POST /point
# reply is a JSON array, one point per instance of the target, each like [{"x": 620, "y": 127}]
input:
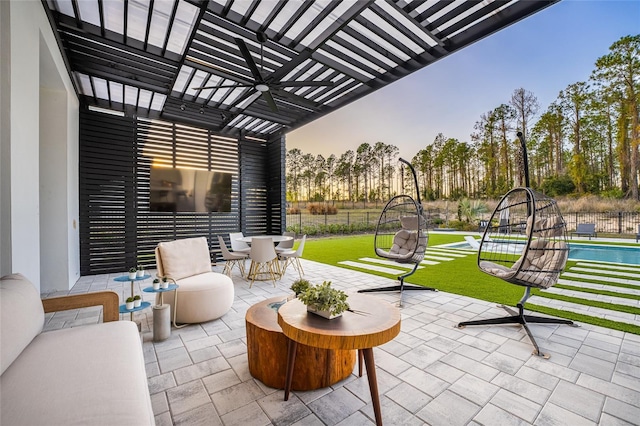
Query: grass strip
[
  {"x": 461, "y": 276},
  {"x": 599, "y": 292},
  {"x": 594, "y": 303},
  {"x": 573, "y": 316}
]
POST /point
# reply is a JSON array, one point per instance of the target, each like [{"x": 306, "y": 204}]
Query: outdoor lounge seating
[
  {"x": 236, "y": 245},
  {"x": 264, "y": 260},
  {"x": 402, "y": 236},
  {"x": 203, "y": 295},
  {"x": 292, "y": 257},
  {"x": 232, "y": 259},
  {"x": 86, "y": 375},
  {"x": 534, "y": 262},
  {"x": 588, "y": 229},
  {"x": 286, "y": 245}
]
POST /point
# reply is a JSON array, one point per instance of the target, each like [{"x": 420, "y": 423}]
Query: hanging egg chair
[
  {"x": 401, "y": 236},
  {"x": 524, "y": 243}
]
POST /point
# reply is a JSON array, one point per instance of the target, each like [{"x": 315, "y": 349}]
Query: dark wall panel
[
  {"x": 117, "y": 228},
  {"x": 107, "y": 193}
]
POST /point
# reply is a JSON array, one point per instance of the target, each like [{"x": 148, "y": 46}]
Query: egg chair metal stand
[
  {"x": 524, "y": 243},
  {"x": 402, "y": 236}
]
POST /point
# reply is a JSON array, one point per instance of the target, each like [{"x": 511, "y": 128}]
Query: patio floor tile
[
  {"x": 449, "y": 409},
  {"x": 432, "y": 372},
  {"x": 492, "y": 415},
  {"x": 474, "y": 389},
  {"x": 552, "y": 415},
  {"x": 186, "y": 397},
  {"x": 516, "y": 405},
  {"x": 336, "y": 406},
  {"x": 578, "y": 399},
  {"x": 250, "y": 414}
]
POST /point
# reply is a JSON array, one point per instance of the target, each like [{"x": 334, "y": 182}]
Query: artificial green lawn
[{"x": 460, "y": 276}]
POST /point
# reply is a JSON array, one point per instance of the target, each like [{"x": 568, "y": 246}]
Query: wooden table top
[
  {"x": 264, "y": 315},
  {"x": 378, "y": 324}
]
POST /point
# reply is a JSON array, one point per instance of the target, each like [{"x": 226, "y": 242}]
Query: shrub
[
  {"x": 321, "y": 208},
  {"x": 293, "y": 210},
  {"x": 560, "y": 185},
  {"x": 460, "y": 225}
]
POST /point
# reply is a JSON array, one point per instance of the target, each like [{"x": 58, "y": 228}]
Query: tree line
[{"x": 586, "y": 141}]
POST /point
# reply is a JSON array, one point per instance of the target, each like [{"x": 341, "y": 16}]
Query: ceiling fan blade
[
  {"x": 269, "y": 98},
  {"x": 310, "y": 83},
  {"x": 246, "y": 54},
  {"x": 295, "y": 98},
  {"x": 224, "y": 86}
]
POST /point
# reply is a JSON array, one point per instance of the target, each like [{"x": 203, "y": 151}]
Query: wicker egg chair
[
  {"x": 524, "y": 243},
  {"x": 402, "y": 236}
]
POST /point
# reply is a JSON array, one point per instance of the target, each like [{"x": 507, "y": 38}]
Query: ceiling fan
[{"x": 264, "y": 85}]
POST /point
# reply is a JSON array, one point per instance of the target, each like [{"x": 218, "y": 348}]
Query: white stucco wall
[
  {"x": 5, "y": 142},
  {"x": 35, "y": 62}
]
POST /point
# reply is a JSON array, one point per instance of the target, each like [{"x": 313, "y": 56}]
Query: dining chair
[
  {"x": 232, "y": 259},
  {"x": 264, "y": 260},
  {"x": 286, "y": 245},
  {"x": 292, "y": 257},
  {"x": 238, "y": 246}
]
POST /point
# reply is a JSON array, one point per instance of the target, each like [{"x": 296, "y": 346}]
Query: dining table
[{"x": 274, "y": 238}]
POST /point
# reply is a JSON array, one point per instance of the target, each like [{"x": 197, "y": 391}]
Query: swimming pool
[
  {"x": 602, "y": 253},
  {"x": 618, "y": 254}
]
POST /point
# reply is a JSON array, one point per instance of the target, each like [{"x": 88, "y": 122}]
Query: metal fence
[
  {"x": 341, "y": 218},
  {"x": 606, "y": 223}
]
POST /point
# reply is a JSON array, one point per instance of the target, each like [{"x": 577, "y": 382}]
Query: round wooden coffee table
[
  {"x": 267, "y": 353},
  {"x": 371, "y": 322}
]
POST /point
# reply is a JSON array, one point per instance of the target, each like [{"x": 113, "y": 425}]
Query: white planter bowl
[
  {"x": 129, "y": 305},
  {"x": 324, "y": 314},
  {"x": 132, "y": 275},
  {"x": 137, "y": 303},
  {"x": 156, "y": 286},
  {"x": 140, "y": 273}
]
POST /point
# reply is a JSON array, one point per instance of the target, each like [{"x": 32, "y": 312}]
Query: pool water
[
  {"x": 616, "y": 254},
  {"x": 602, "y": 253}
]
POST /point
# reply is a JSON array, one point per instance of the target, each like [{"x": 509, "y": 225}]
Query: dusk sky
[{"x": 543, "y": 54}]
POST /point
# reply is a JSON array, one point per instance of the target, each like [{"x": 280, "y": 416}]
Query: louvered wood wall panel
[
  {"x": 116, "y": 227},
  {"x": 276, "y": 195},
  {"x": 254, "y": 187},
  {"x": 183, "y": 147},
  {"x": 107, "y": 193}
]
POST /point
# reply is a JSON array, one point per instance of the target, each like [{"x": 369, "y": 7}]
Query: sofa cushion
[
  {"x": 88, "y": 375},
  {"x": 21, "y": 317},
  {"x": 185, "y": 258},
  {"x": 202, "y": 297}
]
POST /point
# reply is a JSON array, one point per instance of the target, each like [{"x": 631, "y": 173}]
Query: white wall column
[
  {"x": 43, "y": 176},
  {"x": 5, "y": 139}
]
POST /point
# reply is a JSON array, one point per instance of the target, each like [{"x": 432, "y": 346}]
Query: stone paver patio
[{"x": 431, "y": 373}]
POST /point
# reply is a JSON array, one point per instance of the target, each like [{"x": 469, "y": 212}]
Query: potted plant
[
  {"x": 324, "y": 301},
  {"x": 132, "y": 273},
  {"x": 140, "y": 271},
  {"x": 137, "y": 301},
  {"x": 129, "y": 303},
  {"x": 156, "y": 284},
  {"x": 300, "y": 285},
  {"x": 165, "y": 283}
]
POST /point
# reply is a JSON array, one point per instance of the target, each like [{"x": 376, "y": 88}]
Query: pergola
[{"x": 183, "y": 60}]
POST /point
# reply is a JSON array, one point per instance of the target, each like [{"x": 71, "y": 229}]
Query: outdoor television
[{"x": 188, "y": 190}]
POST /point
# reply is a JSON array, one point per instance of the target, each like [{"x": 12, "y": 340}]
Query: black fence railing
[
  {"x": 606, "y": 223},
  {"x": 352, "y": 222}
]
